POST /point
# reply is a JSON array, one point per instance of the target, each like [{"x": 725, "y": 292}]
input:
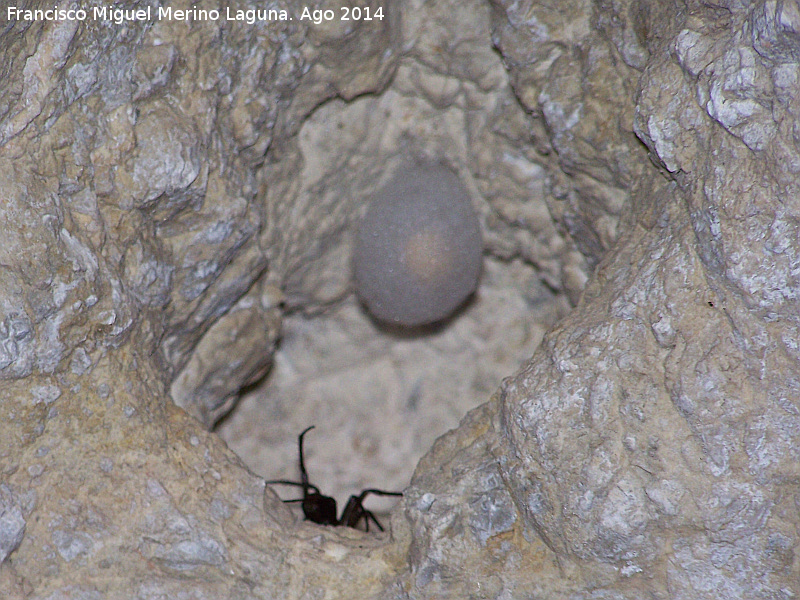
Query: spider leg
[
  {"x": 377, "y": 493},
  {"x": 303, "y": 472},
  {"x": 311, "y": 486},
  {"x": 354, "y": 510},
  {"x": 367, "y": 516}
]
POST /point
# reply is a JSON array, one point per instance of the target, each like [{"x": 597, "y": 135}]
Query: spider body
[{"x": 321, "y": 509}]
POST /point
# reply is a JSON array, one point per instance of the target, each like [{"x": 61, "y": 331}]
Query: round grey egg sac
[{"x": 418, "y": 250}]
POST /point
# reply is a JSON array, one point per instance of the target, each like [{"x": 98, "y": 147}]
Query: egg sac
[{"x": 418, "y": 250}]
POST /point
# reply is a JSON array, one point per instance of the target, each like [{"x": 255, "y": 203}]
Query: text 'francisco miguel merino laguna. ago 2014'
[{"x": 250, "y": 16}]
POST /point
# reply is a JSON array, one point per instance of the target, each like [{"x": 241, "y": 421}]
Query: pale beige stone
[{"x": 174, "y": 197}]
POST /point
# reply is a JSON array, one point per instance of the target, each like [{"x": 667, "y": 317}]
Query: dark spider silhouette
[{"x": 321, "y": 509}]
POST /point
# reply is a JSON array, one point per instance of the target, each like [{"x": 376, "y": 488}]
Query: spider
[{"x": 321, "y": 509}]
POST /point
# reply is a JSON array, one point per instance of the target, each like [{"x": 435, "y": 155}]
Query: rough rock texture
[
  {"x": 130, "y": 170},
  {"x": 651, "y": 442},
  {"x": 155, "y": 229}
]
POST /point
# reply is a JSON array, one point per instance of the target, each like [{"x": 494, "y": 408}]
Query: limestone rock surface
[
  {"x": 650, "y": 443},
  {"x": 167, "y": 199}
]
